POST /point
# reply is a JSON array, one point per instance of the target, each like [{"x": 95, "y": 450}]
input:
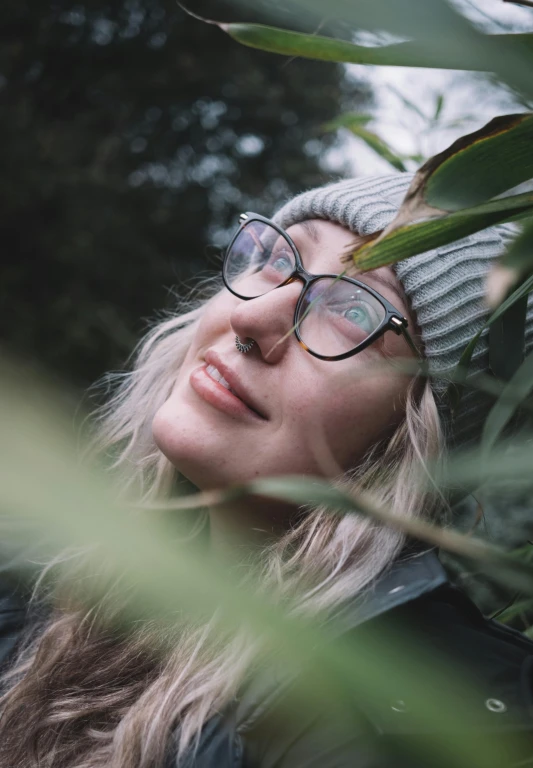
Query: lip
[{"x": 237, "y": 403}]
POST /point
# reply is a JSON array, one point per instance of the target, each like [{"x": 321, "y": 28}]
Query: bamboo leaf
[
  {"x": 458, "y": 46},
  {"x": 347, "y": 120},
  {"x": 505, "y": 568},
  {"x": 399, "y": 242},
  {"x": 456, "y": 387},
  {"x": 502, "y": 411},
  {"x": 514, "y": 610},
  {"x": 474, "y": 169},
  {"x": 515, "y": 264},
  {"x": 406, "y": 54},
  {"x": 379, "y": 146},
  {"x": 438, "y": 106},
  {"x": 77, "y": 508},
  {"x": 508, "y": 465},
  {"x": 501, "y": 566},
  {"x": 356, "y": 124},
  {"x": 288, "y": 43},
  {"x": 478, "y": 166}
]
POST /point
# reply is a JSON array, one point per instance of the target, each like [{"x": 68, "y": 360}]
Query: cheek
[
  {"x": 169, "y": 430},
  {"x": 340, "y": 423}
]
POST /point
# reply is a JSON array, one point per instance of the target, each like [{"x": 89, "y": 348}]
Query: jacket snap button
[
  {"x": 399, "y": 706},
  {"x": 495, "y": 705}
]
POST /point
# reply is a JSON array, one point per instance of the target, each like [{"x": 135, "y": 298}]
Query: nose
[{"x": 269, "y": 320}]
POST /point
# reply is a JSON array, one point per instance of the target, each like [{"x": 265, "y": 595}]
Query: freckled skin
[{"x": 323, "y": 416}]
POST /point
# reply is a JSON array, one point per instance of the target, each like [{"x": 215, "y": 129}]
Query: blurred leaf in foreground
[
  {"x": 515, "y": 265},
  {"x": 502, "y": 566},
  {"x": 502, "y": 411},
  {"x": 456, "y": 387},
  {"x": 162, "y": 579},
  {"x": 438, "y": 36}
]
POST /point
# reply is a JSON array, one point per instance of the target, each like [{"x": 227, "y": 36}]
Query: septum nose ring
[{"x": 244, "y": 348}]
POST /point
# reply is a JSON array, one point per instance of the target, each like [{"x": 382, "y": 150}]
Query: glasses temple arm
[{"x": 409, "y": 339}]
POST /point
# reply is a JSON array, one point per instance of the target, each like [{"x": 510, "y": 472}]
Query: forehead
[{"x": 320, "y": 237}]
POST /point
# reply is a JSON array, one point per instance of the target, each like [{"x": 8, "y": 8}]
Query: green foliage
[
  {"x": 457, "y": 187},
  {"x": 357, "y": 125},
  {"x": 157, "y": 578},
  {"x": 399, "y": 241},
  {"x": 437, "y": 35},
  {"x": 515, "y": 265},
  {"x": 481, "y": 165},
  {"x": 456, "y": 387},
  {"x": 326, "y": 49},
  {"x": 502, "y": 411},
  {"x": 102, "y": 155}
]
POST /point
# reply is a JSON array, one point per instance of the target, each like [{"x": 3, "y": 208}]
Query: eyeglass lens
[
  {"x": 258, "y": 260},
  {"x": 335, "y": 315}
]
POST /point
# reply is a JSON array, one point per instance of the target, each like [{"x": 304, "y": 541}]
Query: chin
[{"x": 192, "y": 451}]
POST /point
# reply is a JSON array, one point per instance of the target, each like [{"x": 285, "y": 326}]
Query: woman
[{"x": 224, "y": 394}]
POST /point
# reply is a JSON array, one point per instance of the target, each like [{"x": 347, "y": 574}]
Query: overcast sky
[{"x": 470, "y": 100}]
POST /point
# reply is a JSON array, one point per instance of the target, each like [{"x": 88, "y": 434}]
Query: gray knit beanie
[{"x": 445, "y": 286}]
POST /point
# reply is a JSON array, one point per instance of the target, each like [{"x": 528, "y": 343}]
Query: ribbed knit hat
[{"x": 445, "y": 286}]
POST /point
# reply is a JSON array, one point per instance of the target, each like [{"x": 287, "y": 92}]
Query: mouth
[
  {"x": 225, "y": 388},
  {"x": 214, "y": 373}
]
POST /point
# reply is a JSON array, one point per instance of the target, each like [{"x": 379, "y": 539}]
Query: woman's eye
[
  {"x": 362, "y": 316},
  {"x": 280, "y": 262}
]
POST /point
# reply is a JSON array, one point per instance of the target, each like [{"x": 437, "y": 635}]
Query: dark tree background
[{"x": 131, "y": 136}]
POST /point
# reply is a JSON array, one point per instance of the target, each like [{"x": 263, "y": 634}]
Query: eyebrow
[
  {"x": 383, "y": 281},
  {"x": 311, "y": 230}
]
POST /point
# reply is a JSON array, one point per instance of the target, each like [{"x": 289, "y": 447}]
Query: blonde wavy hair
[{"x": 82, "y": 695}]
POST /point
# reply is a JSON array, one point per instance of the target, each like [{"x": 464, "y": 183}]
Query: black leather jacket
[{"x": 255, "y": 733}]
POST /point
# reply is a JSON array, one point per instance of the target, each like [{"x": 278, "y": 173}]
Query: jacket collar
[{"x": 410, "y": 576}]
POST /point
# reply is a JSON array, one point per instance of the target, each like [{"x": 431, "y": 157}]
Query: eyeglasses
[{"x": 335, "y": 316}]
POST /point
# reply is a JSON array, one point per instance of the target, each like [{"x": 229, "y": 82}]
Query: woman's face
[{"x": 292, "y": 413}]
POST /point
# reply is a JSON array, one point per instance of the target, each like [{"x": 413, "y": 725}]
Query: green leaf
[
  {"x": 379, "y": 146},
  {"x": 438, "y": 106},
  {"x": 442, "y": 38},
  {"x": 508, "y": 465},
  {"x": 408, "y": 54},
  {"x": 356, "y": 124},
  {"x": 502, "y": 411},
  {"x": 474, "y": 169},
  {"x": 401, "y": 242},
  {"x": 157, "y": 579},
  {"x": 478, "y": 166},
  {"x": 407, "y": 102},
  {"x": 347, "y": 120},
  {"x": 506, "y": 569},
  {"x": 513, "y": 266},
  {"x": 290, "y": 43},
  {"x": 510, "y": 613},
  {"x": 456, "y": 388}
]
